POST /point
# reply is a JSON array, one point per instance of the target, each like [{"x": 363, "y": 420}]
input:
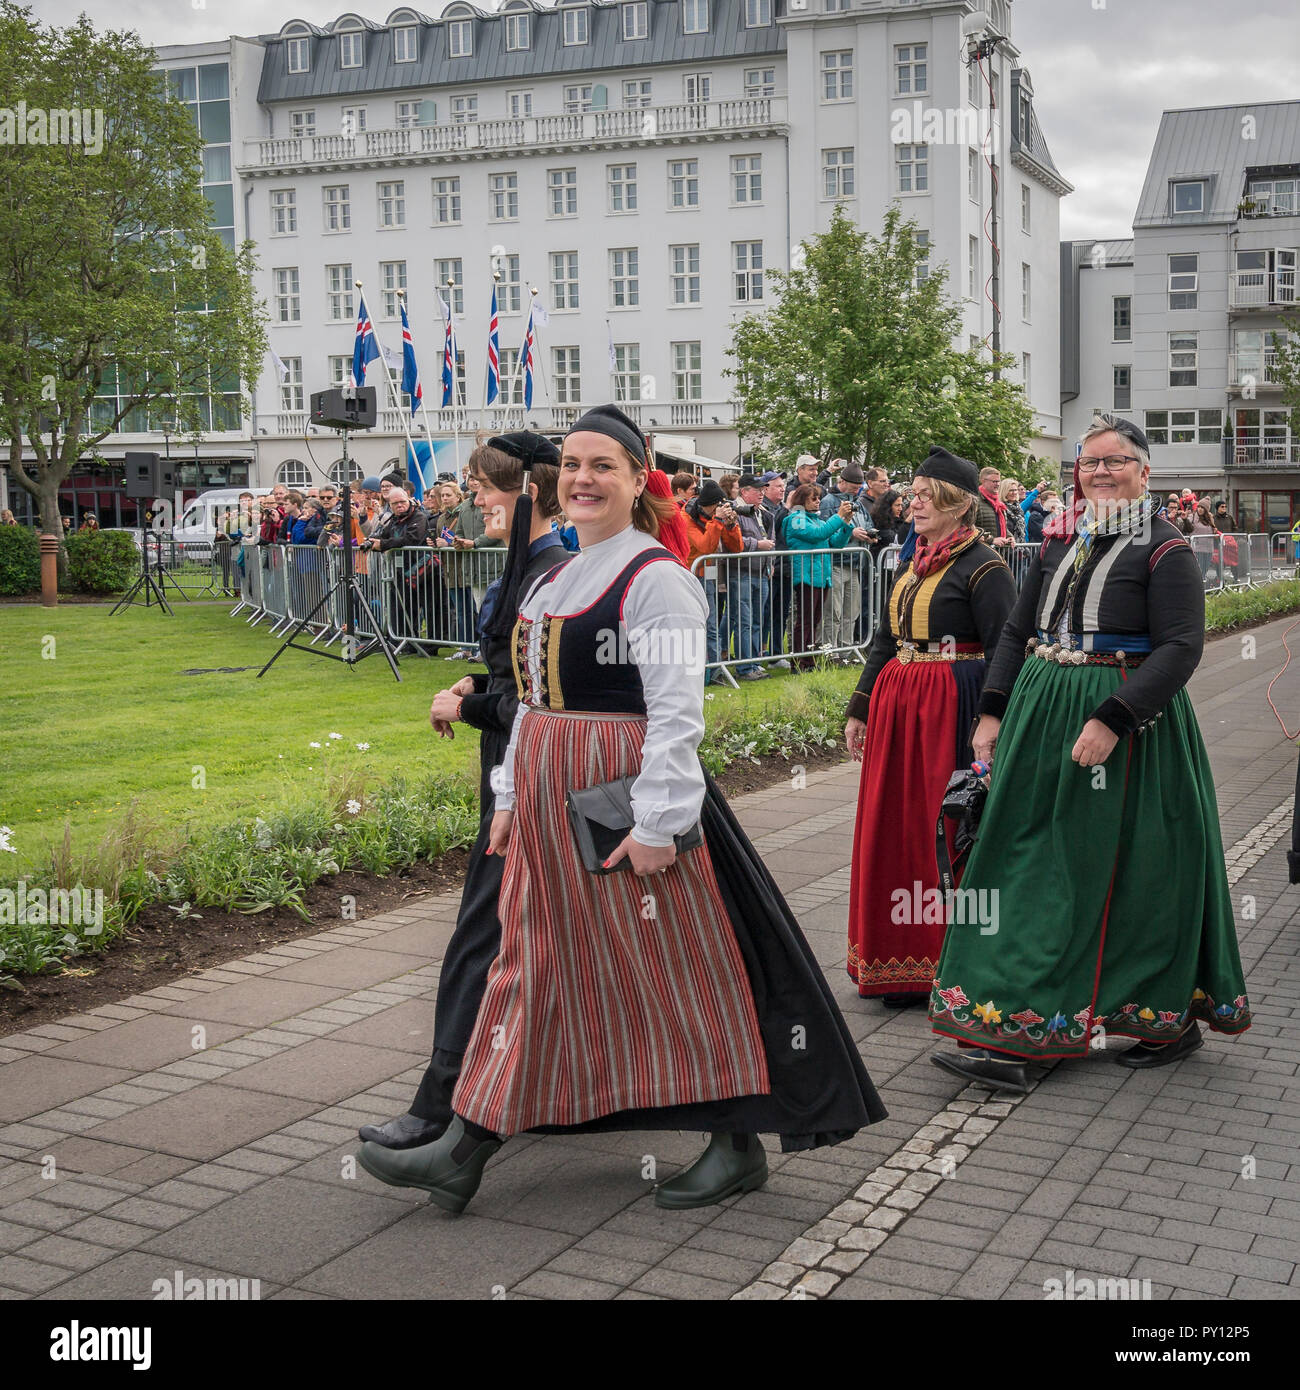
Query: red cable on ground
[{"x": 1268, "y": 694}]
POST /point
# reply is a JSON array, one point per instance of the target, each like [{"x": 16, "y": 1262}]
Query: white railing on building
[
  {"x": 1270, "y": 453},
  {"x": 1262, "y": 289},
  {"x": 650, "y": 415},
  {"x": 1254, "y": 367}
]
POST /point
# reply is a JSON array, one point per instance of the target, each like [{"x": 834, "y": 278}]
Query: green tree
[
  {"x": 856, "y": 360},
  {"x": 116, "y": 300},
  {"x": 1286, "y": 367}
]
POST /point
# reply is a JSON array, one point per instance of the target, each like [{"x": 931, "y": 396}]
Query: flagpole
[
  {"x": 519, "y": 364},
  {"x": 455, "y": 374},
  {"x": 424, "y": 409},
  {"x": 392, "y": 389},
  {"x": 613, "y": 362}
]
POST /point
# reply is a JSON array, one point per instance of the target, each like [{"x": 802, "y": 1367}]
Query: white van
[{"x": 207, "y": 514}]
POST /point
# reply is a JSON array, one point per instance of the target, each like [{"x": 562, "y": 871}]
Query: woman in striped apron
[{"x": 676, "y": 992}]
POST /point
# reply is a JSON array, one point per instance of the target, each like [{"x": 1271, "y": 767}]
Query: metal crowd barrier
[
  {"x": 436, "y": 594},
  {"x": 191, "y": 568}
]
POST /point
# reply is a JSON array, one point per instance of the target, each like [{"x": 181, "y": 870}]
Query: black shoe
[
  {"x": 719, "y": 1172},
  {"x": 405, "y": 1132},
  {"x": 1154, "y": 1054},
  {"x": 903, "y": 1000},
  {"x": 449, "y": 1169},
  {"x": 978, "y": 1064}
]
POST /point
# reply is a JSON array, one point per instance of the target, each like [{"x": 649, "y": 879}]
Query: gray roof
[
  {"x": 1030, "y": 143},
  {"x": 727, "y": 38},
  {"x": 1113, "y": 252},
  {"x": 1212, "y": 142}
]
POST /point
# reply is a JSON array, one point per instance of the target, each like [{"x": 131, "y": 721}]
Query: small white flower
[
  {"x": 5, "y": 833},
  {"x": 313, "y": 745},
  {"x": 352, "y": 807},
  {"x": 336, "y": 735},
  {"x": 363, "y": 747},
  {"x": 709, "y": 696}
]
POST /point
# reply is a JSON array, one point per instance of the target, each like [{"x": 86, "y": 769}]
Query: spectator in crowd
[
  {"x": 407, "y": 527},
  {"x": 332, "y": 530},
  {"x": 990, "y": 510},
  {"x": 908, "y": 723},
  {"x": 730, "y": 485},
  {"x": 568, "y": 533},
  {"x": 368, "y": 504},
  {"x": 848, "y": 571},
  {"x": 672, "y": 527},
  {"x": 7, "y": 518},
  {"x": 307, "y": 525},
  {"x": 877, "y": 487},
  {"x": 479, "y": 571},
  {"x": 1010, "y": 492},
  {"x": 280, "y": 496},
  {"x": 805, "y": 472},
  {"x": 67, "y": 525},
  {"x": 711, "y": 529},
  {"x": 90, "y": 522},
  {"x": 1223, "y": 518},
  {"x": 1180, "y": 518},
  {"x": 684, "y": 487},
  {"x": 810, "y": 576},
  {"x": 270, "y": 515},
  {"x": 1203, "y": 521},
  {"x": 890, "y": 523},
  {"x": 778, "y": 607},
  {"x": 1115, "y": 916},
  {"x": 747, "y": 580},
  {"x": 459, "y": 620},
  {"x": 1039, "y": 514}
]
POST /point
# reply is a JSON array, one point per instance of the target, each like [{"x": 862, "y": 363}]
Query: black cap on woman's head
[
  {"x": 609, "y": 420},
  {"x": 948, "y": 468}
]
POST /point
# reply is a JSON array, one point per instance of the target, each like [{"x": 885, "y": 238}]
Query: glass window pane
[
  {"x": 222, "y": 198},
  {"x": 214, "y": 121},
  {"x": 182, "y": 84},
  {"x": 214, "y": 82},
  {"x": 216, "y": 164}
]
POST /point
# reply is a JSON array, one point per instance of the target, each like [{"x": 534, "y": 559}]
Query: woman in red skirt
[
  {"x": 909, "y": 725},
  {"x": 674, "y": 991}
]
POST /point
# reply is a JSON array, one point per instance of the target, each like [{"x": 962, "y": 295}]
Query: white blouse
[{"x": 664, "y": 616}]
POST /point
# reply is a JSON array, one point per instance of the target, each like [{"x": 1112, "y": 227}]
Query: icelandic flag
[
  {"x": 526, "y": 355},
  {"x": 410, "y": 369},
  {"x": 448, "y": 357},
  {"x": 493, "y": 352},
  {"x": 417, "y": 457},
  {"x": 366, "y": 349}
]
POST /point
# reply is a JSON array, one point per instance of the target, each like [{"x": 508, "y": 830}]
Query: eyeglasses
[{"x": 1116, "y": 463}]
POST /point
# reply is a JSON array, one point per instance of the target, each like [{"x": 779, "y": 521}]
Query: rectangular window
[
  {"x": 636, "y": 91},
  {"x": 973, "y": 175},
  {"x": 837, "y": 173},
  {"x": 974, "y": 86},
  {"x": 577, "y": 99},
  {"x": 563, "y": 187},
  {"x": 460, "y": 38},
  {"x": 687, "y": 375},
  {"x": 910, "y": 69},
  {"x": 1210, "y": 427},
  {"x": 1024, "y": 208},
  {"x": 760, "y": 82},
  {"x": 695, "y": 16},
  {"x": 291, "y": 386},
  {"x": 684, "y": 274},
  {"x": 696, "y": 87},
  {"x": 340, "y": 370},
  {"x": 1121, "y": 319},
  {"x": 392, "y": 277},
  {"x": 568, "y": 372},
  {"x": 509, "y": 292},
  {"x": 408, "y": 114},
  {"x": 758, "y": 14},
  {"x": 564, "y": 279},
  {"x": 1024, "y": 291},
  {"x": 1182, "y": 427},
  {"x": 351, "y": 50},
  {"x": 1156, "y": 426},
  {"x": 636, "y": 20},
  {"x": 575, "y": 29},
  {"x": 1024, "y": 373},
  {"x": 683, "y": 183},
  {"x": 624, "y": 281},
  {"x": 392, "y": 204},
  {"x": 352, "y": 120},
  {"x": 837, "y": 6},
  {"x": 972, "y": 267},
  {"x": 1183, "y": 280},
  {"x": 1122, "y": 383},
  {"x": 338, "y": 293},
  {"x": 747, "y": 270},
  {"x": 452, "y": 270},
  {"x": 627, "y": 372},
  {"x": 837, "y": 76},
  {"x": 518, "y": 32},
  {"x": 299, "y": 54},
  {"x": 446, "y": 202},
  {"x": 512, "y": 381},
  {"x": 464, "y": 109},
  {"x": 284, "y": 212},
  {"x": 503, "y": 197},
  {"x": 1182, "y": 359},
  {"x": 1274, "y": 197},
  {"x": 1189, "y": 197},
  {"x": 302, "y": 123},
  {"x": 519, "y": 104},
  {"x": 921, "y": 270},
  {"x": 405, "y": 44},
  {"x": 620, "y": 179},
  {"x": 338, "y": 208},
  {"x": 746, "y": 178},
  {"x": 288, "y": 302},
  {"x": 913, "y": 164}
]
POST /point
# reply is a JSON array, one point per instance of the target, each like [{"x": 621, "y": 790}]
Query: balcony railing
[
  {"x": 643, "y": 123},
  {"x": 1255, "y": 368},
  {"x": 1262, "y": 289},
  {"x": 1252, "y": 453},
  {"x": 650, "y": 415}
]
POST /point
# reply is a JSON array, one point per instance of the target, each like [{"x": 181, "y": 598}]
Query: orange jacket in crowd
[{"x": 711, "y": 538}]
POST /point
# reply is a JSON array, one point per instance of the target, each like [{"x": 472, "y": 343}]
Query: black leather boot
[
  {"x": 1154, "y": 1054},
  {"x": 731, "y": 1163},
  {"x": 405, "y": 1132},
  {"x": 986, "y": 1068},
  {"x": 450, "y": 1169}
]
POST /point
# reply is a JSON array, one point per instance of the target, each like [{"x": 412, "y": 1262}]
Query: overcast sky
[{"x": 1103, "y": 70}]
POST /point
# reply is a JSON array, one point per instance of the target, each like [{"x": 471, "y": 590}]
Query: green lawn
[{"x": 105, "y": 714}]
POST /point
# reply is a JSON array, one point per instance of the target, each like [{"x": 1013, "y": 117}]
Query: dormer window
[
  {"x": 758, "y": 14},
  {"x": 576, "y": 28},
  {"x": 298, "y": 54},
  {"x": 636, "y": 20},
  {"x": 460, "y": 38},
  {"x": 352, "y": 49},
  {"x": 1189, "y": 196},
  {"x": 695, "y": 16},
  {"x": 405, "y": 44},
  {"x": 519, "y": 32}
]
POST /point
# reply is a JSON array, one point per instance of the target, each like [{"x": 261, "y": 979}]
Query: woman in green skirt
[{"x": 1099, "y": 845}]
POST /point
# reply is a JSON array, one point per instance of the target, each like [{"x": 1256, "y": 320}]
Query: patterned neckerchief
[
  {"x": 1129, "y": 518},
  {"x": 929, "y": 557}
]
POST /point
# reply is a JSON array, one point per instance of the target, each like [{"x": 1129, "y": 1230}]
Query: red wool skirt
[
  {"x": 917, "y": 727},
  {"x": 610, "y": 992}
]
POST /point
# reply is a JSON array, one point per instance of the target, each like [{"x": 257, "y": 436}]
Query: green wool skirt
[{"x": 1101, "y": 902}]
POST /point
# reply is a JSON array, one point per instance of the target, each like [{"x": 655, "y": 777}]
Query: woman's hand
[
  {"x": 444, "y": 712},
  {"x": 984, "y": 741},
  {"x": 1094, "y": 744},
  {"x": 464, "y": 686},
  {"x": 855, "y": 738},
  {"x": 645, "y": 859},
  {"x": 499, "y": 835}
]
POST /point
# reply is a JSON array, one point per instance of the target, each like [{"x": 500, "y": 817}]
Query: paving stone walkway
[{"x": 208, "y": 1126}]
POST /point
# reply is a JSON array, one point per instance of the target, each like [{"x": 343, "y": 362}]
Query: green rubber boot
[
  {"x": 450, "y": 1183},
  {"x": 721, "y": 1170}
]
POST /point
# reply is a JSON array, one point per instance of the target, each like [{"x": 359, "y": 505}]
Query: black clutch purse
[
  {"x": 601, "y": 817},
  {"x": 963, "y": 802}
]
